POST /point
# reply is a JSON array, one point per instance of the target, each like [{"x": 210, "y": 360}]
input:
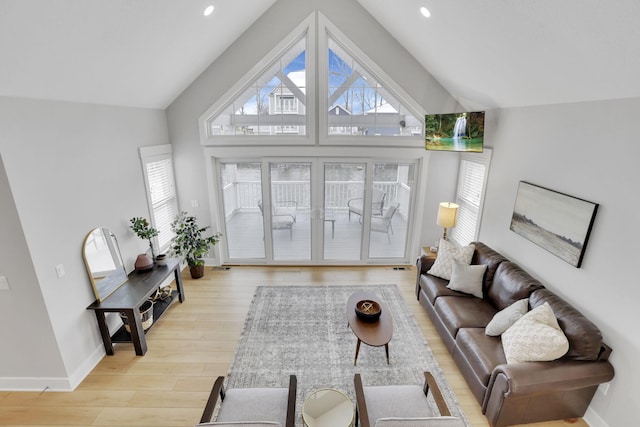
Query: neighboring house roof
[
  {"x": 382, "y": 109},
  {"x": 339, "y": 110}
]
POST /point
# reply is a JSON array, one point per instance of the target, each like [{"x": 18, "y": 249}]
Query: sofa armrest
[
  {"x": 543, "y": 377},
  {"x": 423, "y": 264}
]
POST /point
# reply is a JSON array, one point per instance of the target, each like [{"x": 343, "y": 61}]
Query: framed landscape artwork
[{"x": 554, "y": 221}]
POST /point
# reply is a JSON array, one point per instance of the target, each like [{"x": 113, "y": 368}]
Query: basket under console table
[{"x": 128, "y": 298}]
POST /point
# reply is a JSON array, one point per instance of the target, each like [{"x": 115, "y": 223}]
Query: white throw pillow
[
  {"x": 535, "y": 337},
  {"x": 467, "y": 278},
  {"x": 506, "y": 317},
  {"x": 447, "y": 252}
]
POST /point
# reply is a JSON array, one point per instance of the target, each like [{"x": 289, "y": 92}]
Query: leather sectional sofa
[{"x": 514, "y": 393}]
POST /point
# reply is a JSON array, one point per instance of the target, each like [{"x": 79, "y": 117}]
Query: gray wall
[
  {"x": 587, "y": 150},
  {"x": 69, "y": 168}
]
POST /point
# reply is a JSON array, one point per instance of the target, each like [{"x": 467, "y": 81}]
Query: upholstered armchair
[
  {"x": 355, "y": 205},
  {"x": 255, "y": 406},
  {"x": 402, "y": 405}
]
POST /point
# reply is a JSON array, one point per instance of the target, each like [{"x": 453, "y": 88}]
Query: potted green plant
[
  {"x": 190, "y": 243},
  {"x": 143, "y": 230}
]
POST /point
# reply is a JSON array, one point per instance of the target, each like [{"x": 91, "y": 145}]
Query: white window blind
[
  {"x": 472, "y": 177},
  {"x": 161, "y": 195}
]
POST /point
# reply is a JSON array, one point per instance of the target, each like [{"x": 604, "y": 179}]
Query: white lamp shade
[{"x": 447, "y": 214}]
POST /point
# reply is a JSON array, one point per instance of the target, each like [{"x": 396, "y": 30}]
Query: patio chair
[
  {"x": 402, "y": 405},
  {"x": 255, "y": 406},
  {"x": 284, "y": 208},
  {"x": 281, "y": 219},
  {"x": 377, "y": 203},
  {"x": 383, "y": 224}
]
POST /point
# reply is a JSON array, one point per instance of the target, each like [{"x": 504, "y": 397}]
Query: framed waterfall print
[{"x": 557, "y": 222}]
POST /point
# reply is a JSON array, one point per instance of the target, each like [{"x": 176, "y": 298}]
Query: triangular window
[
  {"x": 275, "y": 103},
  {"x": 277, "y": 98},
  {"x": 359, "y": 104}
]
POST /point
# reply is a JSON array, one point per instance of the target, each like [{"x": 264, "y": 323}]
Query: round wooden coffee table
[
  {"x": 376, "y": 333},
  {"x": 327, "y": 407}
]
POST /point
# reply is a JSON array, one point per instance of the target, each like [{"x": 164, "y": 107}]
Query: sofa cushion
[
  {"x": 585, "y": 339},
  {"x": 481, "y": 352},
  {"x": 456, "y": 313},
  {"x": 487, "y": 256},
  {"x": 510, "y": 284},
  {"x": 396, "y": 401},
  {"x": 535, "y": 337},
  {"x": 467, "y": 278},
  {"x": 420, "y": 422},
  {"x": 254, "y": 404},
  {"x": 447, "y": 252},
  {"x": 507, "y": 317},
  {"x": 240, "y": 424},
  {"x": 435, "y": 287}
]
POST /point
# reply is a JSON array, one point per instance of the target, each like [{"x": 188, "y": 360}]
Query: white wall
[
  {"x": 591, "y": 151},
  {"x": 70, "y": 168},
  {"x": 251, "y": 47}
]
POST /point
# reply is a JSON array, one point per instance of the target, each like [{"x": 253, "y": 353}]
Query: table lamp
[{"x": 447, "y": 214}]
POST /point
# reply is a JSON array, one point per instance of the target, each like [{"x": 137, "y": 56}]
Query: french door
[{"x": 315, "y": 211}]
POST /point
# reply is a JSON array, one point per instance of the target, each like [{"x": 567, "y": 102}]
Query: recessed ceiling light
[
  {"x": 425, "y": 12},
  {"x": 209, "y": 10}
]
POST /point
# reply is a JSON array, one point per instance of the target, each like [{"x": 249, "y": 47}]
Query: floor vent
[{"x": 400, "y": 268}]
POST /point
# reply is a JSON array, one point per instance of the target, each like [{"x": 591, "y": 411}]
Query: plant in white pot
[
  {"x": 143, "y": 230},
  {"x": 190, "y": 243}
]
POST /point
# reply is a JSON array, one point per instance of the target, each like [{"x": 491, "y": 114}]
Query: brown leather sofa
[{"x": 516, "y": 393}]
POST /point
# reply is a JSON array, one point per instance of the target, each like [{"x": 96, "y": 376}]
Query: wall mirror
[{"x": 102, "y": 258}]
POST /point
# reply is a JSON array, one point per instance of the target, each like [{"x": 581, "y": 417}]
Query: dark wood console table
[{"x": 129, "y": 297}]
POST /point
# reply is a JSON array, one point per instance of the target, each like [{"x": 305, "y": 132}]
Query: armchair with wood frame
[
  {"x": 402, "y": 405},
  {"x": 258, "y": 407}
]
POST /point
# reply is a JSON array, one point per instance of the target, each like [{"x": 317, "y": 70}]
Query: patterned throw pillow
[
  {"x": 503, "y": 319},
  {"x": 535, "y": 337},
  {"x": 447, "y": 252}
]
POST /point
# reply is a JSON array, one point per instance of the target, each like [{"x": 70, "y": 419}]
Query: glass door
[
  {"x": 241, "y": 186},
  {"x": 318, "y": 211},
  {"x": 389, "y": 226},
  {"x": 344, "y": 185},
  {"x": 290, "y": 210}
]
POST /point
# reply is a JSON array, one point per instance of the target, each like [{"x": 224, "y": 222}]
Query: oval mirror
[{"x": 102, "y": 258}]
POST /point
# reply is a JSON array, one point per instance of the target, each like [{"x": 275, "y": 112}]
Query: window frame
[
  {"x": 464, "y": 206},
  {"x": 154, "y": 154},
  {"x": 306, "y": 29}
]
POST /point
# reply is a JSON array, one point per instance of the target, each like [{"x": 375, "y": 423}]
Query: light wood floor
[{"x": 192, "y": 344}]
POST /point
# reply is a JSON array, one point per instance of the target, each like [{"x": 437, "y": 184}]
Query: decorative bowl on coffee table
[{"x": 368, "y": 310}]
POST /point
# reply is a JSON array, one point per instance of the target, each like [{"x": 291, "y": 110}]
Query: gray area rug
[{"x": 303, "y": 330}]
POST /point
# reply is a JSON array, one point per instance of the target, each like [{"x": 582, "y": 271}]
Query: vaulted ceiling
[{"x": 486, "y": 53}]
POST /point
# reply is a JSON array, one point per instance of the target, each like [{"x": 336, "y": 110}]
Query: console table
[{"x": 129, "y": 297}]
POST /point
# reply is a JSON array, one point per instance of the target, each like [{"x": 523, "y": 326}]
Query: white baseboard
[
  {"x": 81, "y": 373},
  {"x": 592, "y": 418},
  {"x": 53, "y": 383},
  {"x": 35, "y": 384}
]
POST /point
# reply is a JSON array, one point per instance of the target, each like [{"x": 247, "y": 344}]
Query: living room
[{"x": 71, "y": 166}]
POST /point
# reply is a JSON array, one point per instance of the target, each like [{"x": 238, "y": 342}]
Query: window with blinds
[
  {"x": 472, "y": 178},
  {"x": 161, "y": 195}
]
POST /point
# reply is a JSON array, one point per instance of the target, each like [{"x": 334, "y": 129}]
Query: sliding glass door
[
  {"x": 316, "y": 211},
  {"x": 290, "y": 207},
  {"x": 344, "y": 191}
]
